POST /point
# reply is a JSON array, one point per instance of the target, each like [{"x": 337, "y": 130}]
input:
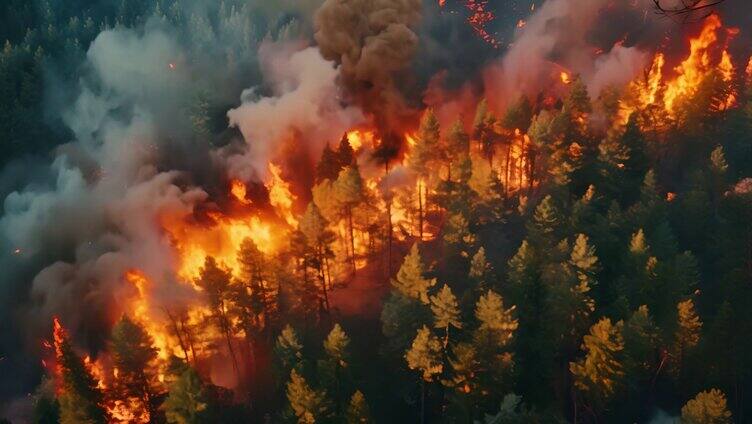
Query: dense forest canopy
[{"x": 348, "y": 211}]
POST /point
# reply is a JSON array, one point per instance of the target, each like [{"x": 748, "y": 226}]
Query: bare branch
[{"x": 687, "y": 10}]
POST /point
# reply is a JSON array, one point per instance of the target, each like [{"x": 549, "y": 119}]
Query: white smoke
[{"x": 306, "y": 107}]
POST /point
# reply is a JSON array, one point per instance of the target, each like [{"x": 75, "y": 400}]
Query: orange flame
[
  {"x": 239, "y": 191},
  {"x": 565, "y": 77}
]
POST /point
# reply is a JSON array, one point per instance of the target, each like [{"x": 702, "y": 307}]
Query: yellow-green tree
[
  {"x": 425, "y": 356},
  {"x": 598, "y": 374},
  {"x": 410, "y": 280},
  {"x": 446, "y": 311},
  {"x": 707, "y": 407},
  {"x": 307, "y": 405}
]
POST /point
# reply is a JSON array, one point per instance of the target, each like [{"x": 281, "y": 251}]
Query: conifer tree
[
  {"x": 349, "y": 192},
  {"x": 708, "y": 407},
  {"x": 480, "y": 271},
  {"x": 80, "y": 399},
  {"x": 641, "y": 340},
  {"x": 335, "y": 366},
  {"x": 584, "y": 260},
  {"x": 307, "y": 405},
  {"x": 358, "y": 411},
  {"x": 544, "y": 225},
  {"x": 410, "y": 280},
  {"x": 318, "y": 240},
  {"x": 345, "y": 153},
  {"x": 288, "y": 351},
  {"x": 457, "y": 146},
  {"x": 446, "y": 312},
  {"x": 494, "y": 318},
  {"x": 424, "y": 356},
  {"x": 687, "y": 334},
  {"x": 422, "y": 155},
  {"x": 134, "y": 357},
  {"x": 187, "y": 401},
  {"x": 329, "y": 166},
  {"x": 215, "y": 281},
  {"x": 598, "y": 374},
  {"x": 484, "y": 130}
]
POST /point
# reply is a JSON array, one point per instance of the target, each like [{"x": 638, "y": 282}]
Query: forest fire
[
  {"x": 706, "y": 56},
  {"x": 538, "y": 205}
]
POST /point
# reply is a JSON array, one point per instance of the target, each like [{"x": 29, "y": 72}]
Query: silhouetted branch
[{"x": 687, "y": 10}]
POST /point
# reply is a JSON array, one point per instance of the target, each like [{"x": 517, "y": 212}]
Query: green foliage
[{"x": 187, "y": 402}]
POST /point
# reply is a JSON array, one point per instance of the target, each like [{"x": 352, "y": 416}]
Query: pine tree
[
  {"x": 329, "y": 165},
  {"x": 349, "y": 192},
  {"x": 457, "y": 231},
  {"x": 410, "y": 280},
  {"x": 494, "y": 318},
  {"x": 446, "y": 312},
  {"x": 334, "y": 368},
  {"x": 80, "y": 399},
  {"x": 519, "y": 115},
  {"x": 687, "y": 334},
  {"x": 707, "y": 407},
  {"x": 288, "y": 351},
  {"x": 358, "y": 411},
  {"x": 307, "y": 405},
  {"x": 345, "y": 152},
  {"x": 480, "y": 269},
  {"x": 544, "y": 225},
  {"x": 457, "y": 146},
  {"x": 422, "y": 155},
  {"x": 599, "y": 373},
  {"x": 215, "y": 282},
  {"x": 317, "y": 251},
  {"x": 187, "y": 402},
  {"x": 134, "y": 357},
  {"x": 484, "y": 130},
  {"x": 584, "y": 260},
  {"x": 640, "y": 346},
  {"x": 425, "y": 356}
]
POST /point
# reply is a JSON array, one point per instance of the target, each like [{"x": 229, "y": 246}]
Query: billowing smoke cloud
[
  {"x": 583, "y": 37},
  {"x": 306, "y": 109},
  {"x": 372, "y": 40}
]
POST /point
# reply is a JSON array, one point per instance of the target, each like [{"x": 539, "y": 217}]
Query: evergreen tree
[
  {"x": 598, "y": 374},
  {"x": 307, "y": 405},
  {"x": 424, "y": 356},
  {"x": 80, "y": 399},
  {"x": 544, "y": 225},
  {"x": 687, "y": 334},
  {"x": 484, "y": 130},
  {"x": 410, "y": 280},
  {"x": 329, "y": 166},
  {"x": 288, "y": 351},
  {"x": 345, "y": 153},
  {"x": 215, "y": 282},
  {"x": 358, "y": 411},
  {"x": 422, "y": 155},
  {"x": 349, "y": 191},
  {"x": 584, "y": 260},
  {"x": 707, "y": 407},
  {"x": 336, "y": 364},
  {"x": 134, "y": 357},
  {"x": 457, "y": 146},
  {"x": 446, "y": 312},
  {"x": 187, "y": 401}
]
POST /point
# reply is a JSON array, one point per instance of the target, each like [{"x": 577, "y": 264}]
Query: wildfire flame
[{"x": 565, "y": 77}]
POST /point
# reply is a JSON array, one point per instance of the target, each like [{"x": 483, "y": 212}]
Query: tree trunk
[
  {"x": 422, "y": 401},
  {"x": 420, "y": 209},
  {"x": 507, "y": 170},
  {"x": 352, "y": 238}
]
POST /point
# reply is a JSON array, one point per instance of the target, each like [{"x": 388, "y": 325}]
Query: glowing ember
[
  {"x": 172, "y": 66},
  {"x": 17, "y": 251},
  {"x": 521, "y": 23},
  {"x": 479, "y": 18}
]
